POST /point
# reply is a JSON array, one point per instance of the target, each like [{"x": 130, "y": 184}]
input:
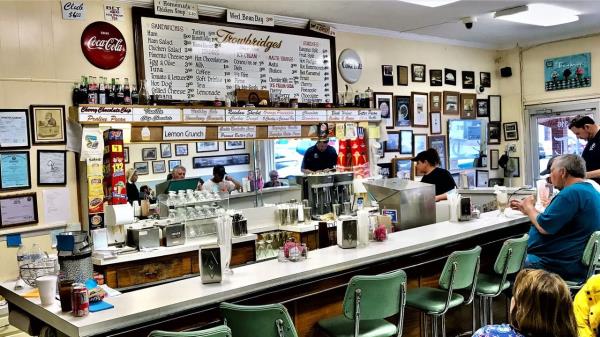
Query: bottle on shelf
[
  {"x": 111, "y": 98},
  {"x": 102, "y": 91},
  {"x": 135, "y": 96},
  {"x": 92, "y": 91},
  {"x": 119, "y": 93},
  {"x": 142, "y": 93},
  {"x": 75, "y": 94},
  {"x": 22, "y": 256},
  {"x": 83, "y": 91},
  {"x": 126, "y": 92},
  {"x": 35, "y": 253}
]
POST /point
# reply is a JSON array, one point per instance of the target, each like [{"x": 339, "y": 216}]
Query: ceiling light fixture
[
  {"x": 538, "y": 14},
  {"x": 430, "y": 3}
]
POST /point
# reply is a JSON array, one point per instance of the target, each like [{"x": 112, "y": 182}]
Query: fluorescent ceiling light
[
  {"x": 430, "y": 3},
  {"x": 538, "y": 14}
]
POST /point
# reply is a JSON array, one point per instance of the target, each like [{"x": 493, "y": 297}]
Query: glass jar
[{"x": 171, "y": 200}]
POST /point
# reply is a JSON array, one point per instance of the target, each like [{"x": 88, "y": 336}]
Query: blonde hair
[
  {"x": 130, "y": 172},
  {"x": 543, "y": 305}
]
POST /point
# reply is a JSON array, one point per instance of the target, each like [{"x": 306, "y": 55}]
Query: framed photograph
[
  {"x": 436, "y": 123},
  {"x": 406, "y": 142},
  {"x": 18, "y": 210},
  {"x": 418, "y": 72},
  {"x": 420, "y": 112},
  {"x": 181, "y": 150},
  {"x": 165, "y": 150},
  {"x": 387, "y": 74},
  {"x": 207, "y": 147},
  {"x": 392, "y": 213},
  {"x": 149, "y": 153},
  {"x": 141, "y": 168},
  {"x": 225, "y": 160},
  {"x": 126, "y": 154},
  {"x": 485, "y": 79},
  {"x": 392, "y": 144},
  {"x": 419, "y": 143},
  {"x": 495, "y": 181},
  {"x": 468, "y": 79},
  {"x": 385, "y": 169},
  {"x": 435, "y": 101},
  {"x": 14, "y": 129},
  {"x": 235, "y": 145},
  {"x": 481, "y": 178},
  {"x": 435, "y": 77},
  {"x": 158, "y": 166},
  {"x": 471, "y": 178},
  {"x": 439, "y": 144},
  {"x": 402, "y": 168},
  {"x": 174, "y": 163},
  {"x": 402, "y": 107},
  {"x": 14, "y": 171},
  {"x": 381, "y": 151},
  {"x": 511, "y": 132},
  {"x": 494, "y": 156},
  {"x": 512, "y": 166},
  {"x": 402, "y": 74},
  {"x": 48, "y": 124},
  {"x": 383, "y": 102},
  {"x": 456, "y": 177},
  {"x": 451, "y": 102},
  {"x": 467, "y": 106},
  {"x": 493, "y": 132},
  {"x": 495, "y": 108},
  {"x": 483, "y": 108},
  {"x": 51, "y": 167},
  {"x": 449, "y": 76}
]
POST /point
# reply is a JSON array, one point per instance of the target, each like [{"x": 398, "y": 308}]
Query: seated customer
[
  {"x": 133, "y": 194},
  {"x": 541, "y": 306},
  {"x": 558, "y": 235},
  {"x": 221, "y": 182},
  {"x": 274, "y": 180},
  {"x": 427, "y": 165},
  {"x": 587, "y": 308}
]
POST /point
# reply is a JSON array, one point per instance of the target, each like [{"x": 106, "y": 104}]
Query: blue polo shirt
[{"x": 572, "y": 216}]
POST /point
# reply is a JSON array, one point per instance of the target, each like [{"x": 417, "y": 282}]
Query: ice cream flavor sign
[{"x": 568, "y": 72}]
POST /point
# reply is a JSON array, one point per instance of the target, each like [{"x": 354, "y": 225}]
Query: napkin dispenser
[
  {"x": 210, "y": 264},
  {"x": 464, "y": 210},
  {"x": 173, "y": 234},
  {"x": 347, "y": 233},
  {"x": 141, "y": 238}
]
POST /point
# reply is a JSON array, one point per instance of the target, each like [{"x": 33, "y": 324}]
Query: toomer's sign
[{"x": 103, "y": 45}]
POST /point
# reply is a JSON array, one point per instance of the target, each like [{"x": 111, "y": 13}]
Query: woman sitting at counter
[
  {"x": 133, "y": 194},
  {"x": 221, "y": 182},
  {"x": 427, "y": 165}
]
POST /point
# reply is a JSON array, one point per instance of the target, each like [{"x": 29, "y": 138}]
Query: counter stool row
[{"x": 369, "y": 300}]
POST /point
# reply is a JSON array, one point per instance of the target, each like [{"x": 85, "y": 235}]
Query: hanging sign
[
  {"x": 311, "y": 115},
  {"x": 203, "y": 115},
  {"x": 176, "y": 8},
  {"x": 156, "y": 115},
  {"x": 184, "y": 132},
  {"x": 73, "y": 10},
  {"x": 103, "y": 45},
  {"x": 237, "y": 132},
  {"x": 321, "y": 28},
  {"x": 284, "y": 131},
  {"x": 102, "y": 114},
  {"x": 250, "y": 18},
  {"x": 114, "y": 13}
]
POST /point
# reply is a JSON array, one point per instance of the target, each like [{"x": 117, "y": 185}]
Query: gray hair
[
  {"x": 573, "y": 164},
  {"x": 178, "y": 167},
  {"x": 273, "y": 172}
]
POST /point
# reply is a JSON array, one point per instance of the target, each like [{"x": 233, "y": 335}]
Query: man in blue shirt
[
  {"x": 558, "y": 236},
  {"x": 319, "y": 157}
]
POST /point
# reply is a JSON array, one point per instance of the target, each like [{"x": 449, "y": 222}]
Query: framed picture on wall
[
  {"x": 48, "y": 124},
  {"x": 467, "y": 106},
  {"x": 485, "y": 79},
  {"x": 149, "y": 153},
  {"x": 165, "y": 150},
  {"x": 383, "y": 101},
  {"x": 511, "y": 132},
  {"x": 436, "y": 123},
  {"x": 387, "y": 74},
  {"x": 435, "y": 101},
  {"x": 418, "y": 72},
  {"x": 402, "y": 74},
  {"x": 14, "y": 129},
  {"x": 419, "y": 108},
  {"x": 451, "y": 102},
  {"x": 174, "y": 163},
  {"x": 468, "y": 80},
  {"x": 493, "y": 132},
  {"x": 158, "y": 166},
  {"x": 20, "y": 209},
  {"x": 126, "y": 154},
  {"x": 207, "y": 147},
  {"x": 495, "y": 108},
  {"x": 402, "y": 107},
  {"x": 402, "y": 168},
  {"x": 51, "y": 167},
  {"x": 435, "y": 77},
  {"x": 439, "y": 144},
  {"x": 14, "y": 171},
  {"x": 225, "y": 160},
  {"x": 181, "y": 150},
  {"x": 141, "y": 168},
  {"x": 449, "y": 76},
  {"x": 235, "y": 145},
  {"x": 495, "y": 181},
  {"x": 481, "y": 178},
  {"x": 483, "y": 109},
  {"x": 406, "y": 142},
  {"x": 419, "y": 143},
  {"x": 513, "y": 167},
  {"x": 494, "y": 156},
  {"x": 392, "y": 144}
]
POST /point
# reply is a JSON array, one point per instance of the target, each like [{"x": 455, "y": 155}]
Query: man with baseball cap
[
  {"x": 319, "y": 157},
  {"x": 585, "y": 128}
]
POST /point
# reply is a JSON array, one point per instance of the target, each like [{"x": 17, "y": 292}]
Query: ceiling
[{"x": 441, "y": 23}]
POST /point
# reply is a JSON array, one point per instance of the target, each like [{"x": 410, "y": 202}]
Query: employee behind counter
[
  {"x": 319, "y": 157},
  {"x": 427, "y": 163}
]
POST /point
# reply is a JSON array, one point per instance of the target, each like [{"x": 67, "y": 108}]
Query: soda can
[{"x": 80, "y": 302}]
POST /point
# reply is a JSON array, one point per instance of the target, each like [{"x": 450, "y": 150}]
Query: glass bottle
[
  {"x": 83, "y": 90},
  {"x": 111, "y": 98},
  {"x": 75, "y": 94},
  {"x": 142, "y": 93},
  {"x": 126, "y": 92},
  {"x": 102, "y": 91},
  {"x": 119, "y": 93}
]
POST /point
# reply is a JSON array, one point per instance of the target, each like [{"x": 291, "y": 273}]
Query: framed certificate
[
  {"x": 18, "y": 210},
  {"x": 51, "y": 167},
  {"x": 14, "y": 170},
  {"x": 48, "y": 124},
  {"x": 14, "y": 129}
]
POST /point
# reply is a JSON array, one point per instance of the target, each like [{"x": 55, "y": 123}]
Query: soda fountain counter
[{"x": 311, "y": 289}]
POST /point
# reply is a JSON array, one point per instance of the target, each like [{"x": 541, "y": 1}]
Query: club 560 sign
[{"x": 103, "y": 45}]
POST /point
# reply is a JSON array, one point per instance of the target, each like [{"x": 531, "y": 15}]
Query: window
[{"x": 465, "y": 139}]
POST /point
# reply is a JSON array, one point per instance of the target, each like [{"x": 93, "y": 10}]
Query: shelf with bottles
[{"x": 101, "y": 91}]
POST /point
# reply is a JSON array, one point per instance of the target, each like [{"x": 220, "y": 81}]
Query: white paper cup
[{"x": 47, "y": 288}]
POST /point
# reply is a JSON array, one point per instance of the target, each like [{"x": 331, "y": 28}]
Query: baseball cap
[
  {"x": 219, "y": 170},
  {"x": 548, "y": 167}
]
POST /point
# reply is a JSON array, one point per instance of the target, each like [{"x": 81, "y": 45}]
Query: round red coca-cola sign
[{"x": 103, "y": 45}]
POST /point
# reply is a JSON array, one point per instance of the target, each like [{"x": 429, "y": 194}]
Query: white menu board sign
[
  {"x": 156, "y": 115},
  {"x": 204, "y": 115},
  {"x": 342, "y": 115},
  {"x": 102, "y": 114},
  {"x": 192, "y": 61},
  {"x": 237, "y": 132},
  {"x": 253, "y": 115},
  {"x": 184, "y": 132},
  {"x": 311, "y": 115},
  {"x": 284, "y": 131},
  {"x": 176, "y": 8}
]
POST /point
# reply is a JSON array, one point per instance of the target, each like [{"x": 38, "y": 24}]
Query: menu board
[{"x": 200, "y": 62}]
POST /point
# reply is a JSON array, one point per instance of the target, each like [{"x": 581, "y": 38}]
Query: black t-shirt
[
  {"x": 316, "y": 160},
  {"x": 591, "y": 155},
  {"x": 442, "y": 179},
  {"x": 132, "y": 193}
]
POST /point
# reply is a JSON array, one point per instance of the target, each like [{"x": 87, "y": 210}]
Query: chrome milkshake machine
[
  {"x": 318, "y": 189},
  {"x": 342, "y": 188}
]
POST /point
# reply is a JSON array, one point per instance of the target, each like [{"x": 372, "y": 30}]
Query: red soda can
[{"x": 80, "y": 302}]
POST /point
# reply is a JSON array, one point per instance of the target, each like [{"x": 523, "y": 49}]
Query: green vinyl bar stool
[
  {"x": 460, "y": 272},
  {"x": 218, "y": 331},
  {"x": 509, "y": 261},
  {"x": 271, "y": 320},
  {"x": 368, "y": 301},
  {"x": 591, "y": 253}
]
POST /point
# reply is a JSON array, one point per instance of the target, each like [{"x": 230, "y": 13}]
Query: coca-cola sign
[{"x": 103, "y": 45}]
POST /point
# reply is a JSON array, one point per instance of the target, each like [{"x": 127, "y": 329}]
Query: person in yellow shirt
[{"x": 587, "y": 308}]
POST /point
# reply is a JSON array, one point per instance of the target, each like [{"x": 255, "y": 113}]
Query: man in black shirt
[
  {"x": 584, "y": 127},
  {"x": 319, "y": 157},
  {"x": 426, "y": 164}
]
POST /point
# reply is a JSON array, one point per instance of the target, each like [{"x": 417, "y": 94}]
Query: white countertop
[
  {"x": 151, "y": 303},
  {"x": 188, "y": 246}
]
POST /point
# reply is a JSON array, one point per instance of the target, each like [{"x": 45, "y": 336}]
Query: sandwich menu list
[{"x": 200, "y": 62}]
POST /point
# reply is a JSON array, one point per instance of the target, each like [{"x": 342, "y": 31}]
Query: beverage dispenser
[
  {"x": 319, "y": 189},
  {"x": 342, "y": 188}
]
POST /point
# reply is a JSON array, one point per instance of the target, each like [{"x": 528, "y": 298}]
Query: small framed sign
[
  {"x": 14, "y": 129},
  {"x": 392, "y": 213},
  {"x": 18, "y": 210},
  {"x": 48, "y": 124},
  {"x": 52, "y": 167},
  {"x": 14, "y": 170}
]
